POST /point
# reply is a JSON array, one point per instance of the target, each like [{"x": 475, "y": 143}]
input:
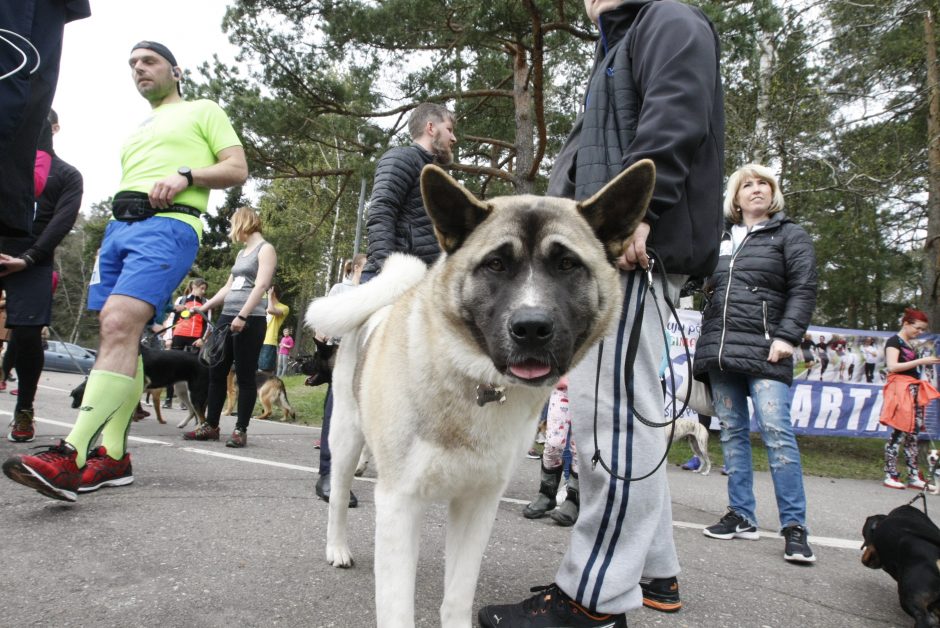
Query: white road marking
[
  {"x": 65, "y": 390},
  {"x": 822, "y": 541},
  {"x": 825, "y": 541}
]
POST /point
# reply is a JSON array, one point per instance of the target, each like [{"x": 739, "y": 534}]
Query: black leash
[
  {"x": 630, "y": 359},
  {"x": 922, "y": 495}
]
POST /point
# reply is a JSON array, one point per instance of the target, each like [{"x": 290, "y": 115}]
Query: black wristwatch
[{"x": 186, "y": 172}]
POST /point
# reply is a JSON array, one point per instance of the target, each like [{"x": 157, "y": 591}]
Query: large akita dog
[{"x": 443, "y": 371}]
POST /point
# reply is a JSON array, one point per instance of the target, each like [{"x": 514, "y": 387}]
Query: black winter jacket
[
  {"x": 766, "y": 290},
  {"x": 398, "y": 222},
  {"x": 655, "y": 92}
]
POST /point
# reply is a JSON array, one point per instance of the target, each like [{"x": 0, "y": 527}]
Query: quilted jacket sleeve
[
  {"x": 800, "y": 259},
  {"x": 394, "y": 177}
]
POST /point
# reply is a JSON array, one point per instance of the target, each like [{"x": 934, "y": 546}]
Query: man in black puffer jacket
[{"x": 398, "y": 222}]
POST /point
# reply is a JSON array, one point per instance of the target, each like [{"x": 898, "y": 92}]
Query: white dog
[
  {"x": 442, "y": 371},
  {"x": 697, "y": 436}
]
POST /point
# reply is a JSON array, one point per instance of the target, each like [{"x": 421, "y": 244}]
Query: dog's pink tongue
[{"x": 530, "y": 369}]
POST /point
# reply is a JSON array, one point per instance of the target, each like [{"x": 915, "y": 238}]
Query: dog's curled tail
[{"x": 338, "y": 315}]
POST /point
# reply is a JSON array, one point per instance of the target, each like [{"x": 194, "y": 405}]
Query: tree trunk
[
  {"x": 931, "y": 295},
  {"x": 525, "y": 129},
  {"x": 761, "y": 143}
]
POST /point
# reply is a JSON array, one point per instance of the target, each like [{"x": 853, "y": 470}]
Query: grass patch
[
  {"x": 824, "y": 456},
  {"x": 307, "y": 401}
]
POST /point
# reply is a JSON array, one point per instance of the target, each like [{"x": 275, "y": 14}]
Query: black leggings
[
  {"x": 242, "y": 349},
  {"x": 28, "y": 358}
]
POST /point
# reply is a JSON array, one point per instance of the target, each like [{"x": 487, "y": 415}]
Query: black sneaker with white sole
[
  {"x": 797, "y": 549},
  {"x": 733, "y": 526}
]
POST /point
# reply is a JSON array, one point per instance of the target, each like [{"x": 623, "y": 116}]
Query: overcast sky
[{"x": 96, "y": 100}]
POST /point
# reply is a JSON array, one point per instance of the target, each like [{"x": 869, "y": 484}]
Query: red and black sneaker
[
  {"x": 102, "y": 470},
  {"x": 21, "y": 427},
  {"x": 52, "y": 472},
  {"x": 203, "y": 432}
]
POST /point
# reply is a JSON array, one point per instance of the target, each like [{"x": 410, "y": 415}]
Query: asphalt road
[{"x": 210, "y": 536}]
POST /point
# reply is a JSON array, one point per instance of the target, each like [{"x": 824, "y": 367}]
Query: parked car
[{"x": 68, "y": 358}]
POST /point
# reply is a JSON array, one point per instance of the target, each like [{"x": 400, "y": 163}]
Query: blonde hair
[
  {"x": 757, "y": 171},
  {"x": 244, "y": 222}
]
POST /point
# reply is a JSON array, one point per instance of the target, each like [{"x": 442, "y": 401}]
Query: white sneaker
[
  {"x": 892, "y": 481},
  {"x": 918, "y": 485}
]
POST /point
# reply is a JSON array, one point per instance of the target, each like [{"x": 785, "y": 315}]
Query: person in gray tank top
[{"x": 243, "y": 304}]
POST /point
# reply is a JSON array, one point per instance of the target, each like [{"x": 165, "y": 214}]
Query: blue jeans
[{"x": 772, "y": 410}]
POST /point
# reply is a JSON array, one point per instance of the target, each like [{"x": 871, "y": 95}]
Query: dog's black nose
[{"x": 531, "y": 327}]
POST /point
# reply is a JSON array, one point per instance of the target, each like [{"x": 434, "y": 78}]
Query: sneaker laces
[
  {"x": 731, "y": 517},
  {"x": 546, "y": 597},
  {"x": 22, "y": 419},
  {"x": 796, "y": 534},
  {"x": 54, "y": 452}
]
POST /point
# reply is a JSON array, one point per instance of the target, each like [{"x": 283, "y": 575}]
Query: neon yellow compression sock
[
  {"x": 106, "y": 394},
  {"x": 114, "y": 435}
]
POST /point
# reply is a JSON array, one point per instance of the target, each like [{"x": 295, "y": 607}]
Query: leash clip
[
  {"x": 649, "y": 273},
  {"x": 595, "y": 459}
]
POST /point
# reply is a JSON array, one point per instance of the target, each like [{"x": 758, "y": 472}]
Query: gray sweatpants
[{"x": 624, "y": 529}]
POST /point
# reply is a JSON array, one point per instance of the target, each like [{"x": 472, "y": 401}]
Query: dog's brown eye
[
  {"x": 496, "y": 265},
  {"x": 567, "y": 263}
]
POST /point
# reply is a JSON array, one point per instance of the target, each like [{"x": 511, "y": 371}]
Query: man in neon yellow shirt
[
  {"x": 171, "y": 161},
  {"x": 277, "y": 314}
]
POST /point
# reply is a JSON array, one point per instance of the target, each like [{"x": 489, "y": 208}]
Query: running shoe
[
  {"x": 51, "y": 472},
  {"x": 733, "y": 526},
  {"x": 21, "y": 427},
  {"x": 102, "y": 470}
]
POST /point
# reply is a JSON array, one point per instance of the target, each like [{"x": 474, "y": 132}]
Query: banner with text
[{"x": 830, "y": 400}]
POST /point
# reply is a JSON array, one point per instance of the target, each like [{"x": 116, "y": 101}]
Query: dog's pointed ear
[
  {"x": 616, "y": 210},
  {"x": 454, "y": 211}
]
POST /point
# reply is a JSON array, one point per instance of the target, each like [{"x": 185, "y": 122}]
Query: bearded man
[{"x": 398, "y": 222}]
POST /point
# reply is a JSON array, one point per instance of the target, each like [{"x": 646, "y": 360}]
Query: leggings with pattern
[{"x": 908, "y": 440}]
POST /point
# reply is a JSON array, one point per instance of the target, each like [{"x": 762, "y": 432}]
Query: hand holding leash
[{"x": 634, "y": 253}]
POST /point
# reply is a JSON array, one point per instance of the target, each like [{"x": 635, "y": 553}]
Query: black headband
[{"x": 158, "y": 48}]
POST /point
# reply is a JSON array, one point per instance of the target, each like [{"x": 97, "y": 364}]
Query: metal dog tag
[{"x": 486, "y": 394}]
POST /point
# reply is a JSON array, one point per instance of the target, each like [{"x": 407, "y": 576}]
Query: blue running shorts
[{"x": 145, "y": 260}]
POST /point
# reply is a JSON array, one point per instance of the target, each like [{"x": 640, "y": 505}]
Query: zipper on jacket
[
  {"x": 724, "y": 307},
  {"x": 766, "y": 330}
]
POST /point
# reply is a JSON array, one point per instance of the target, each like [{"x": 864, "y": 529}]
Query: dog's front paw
[
  {"x": 339, "y": 556},
  {"x": 182, "y": 424}
]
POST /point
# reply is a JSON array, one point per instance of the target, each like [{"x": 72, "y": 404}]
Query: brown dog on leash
[{"x": 271, "y": 392}]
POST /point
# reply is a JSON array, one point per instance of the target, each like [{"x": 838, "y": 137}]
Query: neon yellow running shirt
[{"x": 187, "y": 133}]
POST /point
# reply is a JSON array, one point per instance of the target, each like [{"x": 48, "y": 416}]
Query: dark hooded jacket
[
  {"x": 398, "y": 222},
  {"x": 655, "y": 92},
  {"x": 765, "y": 290}
]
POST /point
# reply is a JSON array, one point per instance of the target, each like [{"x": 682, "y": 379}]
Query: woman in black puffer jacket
[{"x": 760, "y": 301}]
